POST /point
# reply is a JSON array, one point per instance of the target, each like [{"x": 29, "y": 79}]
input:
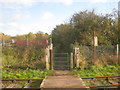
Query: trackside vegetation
[
  {"x": 91, "y": 71},
  {"x": 10, "y": 73}
]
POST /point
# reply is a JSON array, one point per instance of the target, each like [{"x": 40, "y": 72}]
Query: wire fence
[{"x": 103, "y": 53}]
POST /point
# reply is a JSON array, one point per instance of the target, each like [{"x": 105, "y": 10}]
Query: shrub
[
  {"x": 9, "y": 61},
  {"x": 106, "y": 60}
]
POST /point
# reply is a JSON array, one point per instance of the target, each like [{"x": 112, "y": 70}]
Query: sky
[{"x": 19, "y": 17}]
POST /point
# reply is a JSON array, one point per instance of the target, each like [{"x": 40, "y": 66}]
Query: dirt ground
[{"x": 62, "y": 72}]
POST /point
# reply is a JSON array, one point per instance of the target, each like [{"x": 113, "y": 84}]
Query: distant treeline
[{"x": 80, "y": 28}]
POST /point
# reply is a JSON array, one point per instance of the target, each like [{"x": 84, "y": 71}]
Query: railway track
[
  {"x": 21, "y": 84},
  {"x": 101, "y": 82}
]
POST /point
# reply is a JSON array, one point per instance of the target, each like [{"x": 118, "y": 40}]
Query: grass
[
  {"x": 36, "y": 84},
  {"x": 9, "y": 73},
  {"x": 92, "y": 71}
]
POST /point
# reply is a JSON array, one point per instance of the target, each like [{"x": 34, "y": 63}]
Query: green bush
[{"x": 8, "y": 61}]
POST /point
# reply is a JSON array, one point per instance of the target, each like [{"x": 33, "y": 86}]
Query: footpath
[{"x": 62, "y": 80}]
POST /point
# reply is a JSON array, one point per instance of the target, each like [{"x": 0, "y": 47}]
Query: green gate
[{"x": 61, "y": 61}]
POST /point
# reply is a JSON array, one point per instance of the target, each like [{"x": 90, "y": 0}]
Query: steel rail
[
  {"x": 21, "y": 89},
  {"x": 28, "y": 80},
  {"x": 101, "y": 77},
  {"x": 103, "y": 85},
  {"x": 21, "y": 79},
  {"x": 44, "y": 78}
]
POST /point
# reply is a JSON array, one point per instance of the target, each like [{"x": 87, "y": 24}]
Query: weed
[{"x": 90, "y": 71}]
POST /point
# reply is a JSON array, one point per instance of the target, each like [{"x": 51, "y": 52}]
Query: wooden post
[
  {"x": 51, "y": 56},
  {"x": 78, "y": 61},
  {"x": 77, "y": 57},
  {"x": 117, "y": 53},
  {"x": 47, "y": 59},
  {"x": 71, "y": 60}
]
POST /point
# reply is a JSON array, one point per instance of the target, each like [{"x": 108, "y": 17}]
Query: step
[
  {"x": 61, "y": 63},
  {"x": 61, "y": 58},
  {"x": 61, "y": 69},
  {"x": 67, "y": 82},
  {"x": 61, "y": 66}
]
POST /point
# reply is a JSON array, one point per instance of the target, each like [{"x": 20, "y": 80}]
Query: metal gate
[{"x": 61, "y": 61}]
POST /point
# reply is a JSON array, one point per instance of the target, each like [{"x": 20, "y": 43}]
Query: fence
[{"x": 109, "y": 54}]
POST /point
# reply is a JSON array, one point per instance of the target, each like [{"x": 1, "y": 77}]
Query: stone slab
[{"x": 68, "y": 81}]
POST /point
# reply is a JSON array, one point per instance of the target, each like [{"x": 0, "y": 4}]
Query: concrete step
[{"x": 67, "y": 82}]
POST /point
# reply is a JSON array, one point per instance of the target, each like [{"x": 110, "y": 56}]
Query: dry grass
[{"x": 106, "y": 60}]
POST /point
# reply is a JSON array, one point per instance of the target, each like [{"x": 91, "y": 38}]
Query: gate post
[
  {"x": 51, "y": 56},
  {"x": 77, "y": 58},
  {"x": 47, "y": 59},
  {"x": 117, "y": 52},
  {"x": 78, "y": 61},
  {"x": 71, "y": 61}
]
